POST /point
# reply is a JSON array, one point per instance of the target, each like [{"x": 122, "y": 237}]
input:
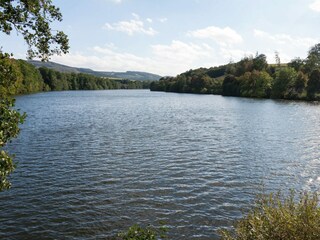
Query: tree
[
  {"x": 230, "y": 86},
  {"x": 301, "y": 82},
  {"x": 277, "y": 58},
  {"x": 284, "y": 83},
  {"x": 297, "y": 64},
  {"x": 245, "y": 65},
  {"x": 313, "y": 59},
  {"x": 255, "y": 84},
  {"x": 260, "y": 62},
  {"x": 313, "y": 84},
  {"x": 31, "y": 19},
  {"x": 9, "y": 118}
]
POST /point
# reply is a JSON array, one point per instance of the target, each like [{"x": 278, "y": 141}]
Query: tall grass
[{"x": 279, "y": 217}]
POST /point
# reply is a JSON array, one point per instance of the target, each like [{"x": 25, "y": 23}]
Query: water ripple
[{"x": 90, "y": 164}]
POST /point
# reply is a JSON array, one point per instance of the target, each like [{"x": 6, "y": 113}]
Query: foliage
[
  {"x": 284, "y": 82},
  {"x": 202, "y": 80},
  {"x": 9, "y": 118},
  {"x": 231, "y": 86},
  {"x": 10, "y": 76},
  {"x": 252, "y": 77},
  {"x": 277, "y": 217},
  {"x": 32, "y": 19},
  {"x": 136, "y": 232},
  {"x": 248, "y": 64},
  {"x": 313, "y": 84},
  {"x": 9, "y": 122},
  {"x": 58, "y": 81},
  {"x": 255, "y": 84},
  {"x": 25, "y": 78},
  {"x": 297, "y": 64},
  {"x": 31, "y": 79},
  {"x": 300, "y": 82},
  {"x": 313, "y": 59}
]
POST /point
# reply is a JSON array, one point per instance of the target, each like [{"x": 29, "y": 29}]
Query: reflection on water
[{"x": 92, "y": 163}]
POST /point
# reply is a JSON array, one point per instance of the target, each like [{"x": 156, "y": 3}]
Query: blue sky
[{"x": 168, "y": 37}]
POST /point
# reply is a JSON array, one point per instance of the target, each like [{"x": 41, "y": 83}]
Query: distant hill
[{"x": 132, "y": 75}]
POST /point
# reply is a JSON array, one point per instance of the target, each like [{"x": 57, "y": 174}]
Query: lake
[{"x": 93, "y": 163}]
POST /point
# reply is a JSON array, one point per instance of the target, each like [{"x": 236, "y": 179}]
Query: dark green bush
[
  {"x": 136, "y": 232},
  {"x": 277, "y": 217}
]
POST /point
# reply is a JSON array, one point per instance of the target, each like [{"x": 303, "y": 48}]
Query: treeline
[
  {"x": 252, "y": 77},
  {"x": 58, "y": 81},
  {"x": 29, "y": 79}
]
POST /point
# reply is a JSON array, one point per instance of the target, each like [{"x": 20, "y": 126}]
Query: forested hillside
[
  {"x": 132, "y": 75},
  {"x": 252, "y": 77},
  {"x": 30, "y": 79}
]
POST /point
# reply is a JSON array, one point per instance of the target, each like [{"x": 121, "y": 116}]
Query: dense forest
[
  {"x": 252, "y": 77},
  {"x": 29, "y": 79}
]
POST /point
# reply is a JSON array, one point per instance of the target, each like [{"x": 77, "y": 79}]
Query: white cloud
[
  {"x": 180, "y": 51},
  {"x": 285, "y": 39},
  {"x": 136, "y": 16},
  {"x": 287, "y": 45},
  {"x": 162, "y": 20},
  {"x": 170, "y": 59},
  {"x": 315, "y": 6},
  {"x": 131, "y": 27},
  {"x": 223, "y": 36},
  {"x": 149, "y": 20},
  {"x": 115, "y": 1}
]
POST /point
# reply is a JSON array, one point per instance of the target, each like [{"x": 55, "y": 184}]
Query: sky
[{"x": 168, "y": 37}]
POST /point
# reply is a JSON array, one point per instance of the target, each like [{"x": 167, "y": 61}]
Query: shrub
[
  {"x": 136, "y": 232},
  {"x": 278, "y": 217}
]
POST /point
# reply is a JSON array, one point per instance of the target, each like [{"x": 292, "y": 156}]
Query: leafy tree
[
  {"x": 230, "y": 86},
  {"x": 31, "y": 80},
  {"x": 313, "y": 84},
  {"x": 297, "y": 64},
  {"x": 284, "y": 83},
  {"x": 231, "y": 68},
  {"x": 10, "y": 76},
  {"x": 255, "y": 84},
  {"x": 277, "y": 58},
  {"x": 301, "y": 82},
  {"x": 31, "y": 19},
  {"x": 313, "y": 59},
  {"x": 245, "y": 65},
  {"x": 260, "y": 62},
  {"x": 216, "y": 72},
  {"x": 9, "y": 118}
]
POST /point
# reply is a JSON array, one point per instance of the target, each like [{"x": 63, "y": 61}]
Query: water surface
[{"x": 92, "y": 163}]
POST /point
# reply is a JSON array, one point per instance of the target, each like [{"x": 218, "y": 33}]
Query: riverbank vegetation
[
  {"x": 273, "y": 216},
  {"x": 9, "y": 118},
  {"x": 30, "y": 79},
  {"x": 252, "y": 77},
  {"x": 276, "y": 216},
  {"x": 32, "y": 20}
]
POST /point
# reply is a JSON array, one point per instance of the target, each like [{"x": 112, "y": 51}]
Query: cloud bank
[
  {"x": 165, "y": 59},
  {"x": 135, "y": 25},
  {"x": 223, "y": 36}
]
